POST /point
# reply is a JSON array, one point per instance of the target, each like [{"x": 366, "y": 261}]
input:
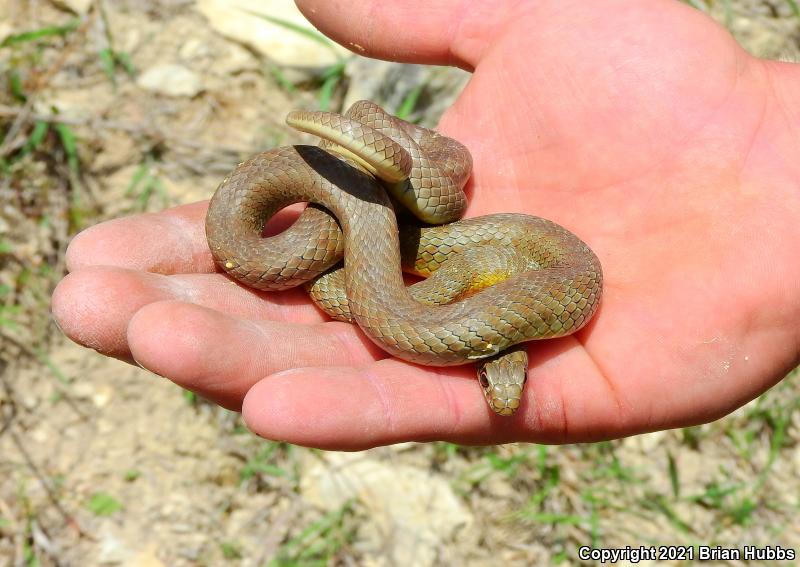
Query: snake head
[{"x": 502, "y": 378}]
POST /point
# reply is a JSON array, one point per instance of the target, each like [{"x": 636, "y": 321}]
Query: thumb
[{"x": 443, "y": 32}]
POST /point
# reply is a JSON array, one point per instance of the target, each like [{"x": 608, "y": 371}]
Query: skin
[{"x": 640, "y": 126}]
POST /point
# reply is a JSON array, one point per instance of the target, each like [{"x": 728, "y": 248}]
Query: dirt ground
[{"x": 112, "y": 108}]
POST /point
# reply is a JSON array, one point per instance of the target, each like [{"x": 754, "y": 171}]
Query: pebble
[{"x": 171, "y": 80}]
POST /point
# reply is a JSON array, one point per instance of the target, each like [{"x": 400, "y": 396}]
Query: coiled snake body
[{"x": 495, "y": 281}]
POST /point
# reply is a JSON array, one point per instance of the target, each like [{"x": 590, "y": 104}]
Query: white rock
[
  {"x": 146, "y": 558},
  {"x": 413, "y": 514},
  {"x": 41, "y": 435},
  {"x": 246, "y": 21},
  {"x": 645, "y": 443},
  {"x": 235, "y": 60},
  {"x": 112, "y": 548},
  {"x": 171, "y": 80},
  {"x": 193, "y": 48}
]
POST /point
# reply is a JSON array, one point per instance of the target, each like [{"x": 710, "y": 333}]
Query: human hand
[{"x": 642, "y": 127}]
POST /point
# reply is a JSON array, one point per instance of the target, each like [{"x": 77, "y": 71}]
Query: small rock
[
  {"x": 83, "y": 390},
  {"x": 256, "y": 23},
  {"x": 112, "y": 549},
  {"x": 193, "y": 48},
  {"x": 40, "y": 435},
  {"x": 102, "y": 396},
  {"x": 171, "y": 79},
  {"x": 146, "y": 558},
  {"x": 645, "y": 443},
  {"x": 30, "y": 401},
  {"x": 235, "y": 60},
  {"x": 419, "y": 509}
]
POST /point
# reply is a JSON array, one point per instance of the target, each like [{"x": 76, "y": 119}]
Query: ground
[{"x": 110, "y": 108}]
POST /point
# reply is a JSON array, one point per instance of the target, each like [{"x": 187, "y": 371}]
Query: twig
[
  {"x": 11, "y": 399},
  {"x": 43, "y": 541},
  {"x": 68, "y": 518},
  {"x": 41, "y": 81}
]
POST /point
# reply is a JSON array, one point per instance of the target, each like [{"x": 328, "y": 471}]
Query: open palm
[{"x": 640, "y": 126}]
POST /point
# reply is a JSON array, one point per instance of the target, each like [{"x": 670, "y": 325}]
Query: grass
[
  {"x": 50, "y": 145},
  {"x": 146, "y": 183},
  {"x": 269, "y": 461},
  {"x": 231, "y": 550},
  {"x": 409, "y": 103},
  {"x": 607, "y": 493},
  {"x": 39, "y": 34},
  {"x": 320, "y": 542},
  {"x": 132, "y": 474},
  {"x": 103, "y": 504}
]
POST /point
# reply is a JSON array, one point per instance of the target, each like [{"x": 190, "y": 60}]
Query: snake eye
[{"x": 483, "y": 379}]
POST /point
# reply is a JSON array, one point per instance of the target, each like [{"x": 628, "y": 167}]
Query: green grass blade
[
  {"x": 137, "y": 178},
  {"x": 103, "y": 504},
  {"x": 330, "y": 79},
  {"x": 281, "y": 79},
  {"x": 16, "y": 87},
  {"x": 674, "y": 481},
  {"x": 305, "y": 545},
  {"x": 70, "y": 145},
  {"x": 124, "y": 60},
  {"x": 110, "y": 60},
  {"x": 107, "y": 63},
  {"x": 326, "y": 91},
  {"x": 657, "y": 503},
  {"x": 40, "y": 129},
  {"x": 33, "y": 35},
  {"x": 409, "y": 102},
  {"x": 335, "y": 70}
]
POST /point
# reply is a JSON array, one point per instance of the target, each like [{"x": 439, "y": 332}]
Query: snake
[{"x": 387, "y": 196}]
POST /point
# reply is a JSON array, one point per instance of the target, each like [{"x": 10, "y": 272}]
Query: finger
[
  {"x": 168, "y": 242},
  {"x": 171, "y": 241},
  {"x": 220, "y": 357},
  {"x": 389, "y": 401},
  {"x": 445, "y": 32},
  {"x": 94, "y": 305}
]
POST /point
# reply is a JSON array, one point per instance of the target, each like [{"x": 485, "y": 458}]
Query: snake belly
[{"x": 495, "y": 281}]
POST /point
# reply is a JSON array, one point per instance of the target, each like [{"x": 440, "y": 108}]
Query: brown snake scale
[{"x": 495, "y": 281}]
